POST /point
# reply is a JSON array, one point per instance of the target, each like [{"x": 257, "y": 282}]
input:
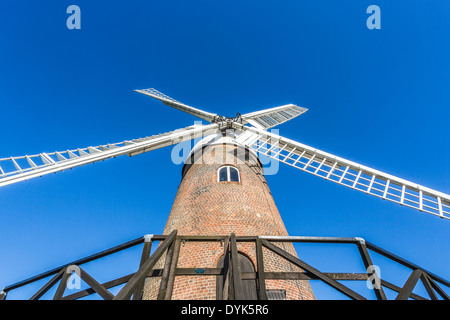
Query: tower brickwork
[{"x": 206, "y": 206}]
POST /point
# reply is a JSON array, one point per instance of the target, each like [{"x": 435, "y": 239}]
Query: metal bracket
[
  {"x": 227, "y": 122},
  {"x": 148, "y": 237}
]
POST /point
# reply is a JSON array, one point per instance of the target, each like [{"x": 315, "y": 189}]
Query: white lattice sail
[
  {"x": 345, "y": 172},
  {"x": 15, "y": 169},
  {"x": 208, "y": 116},
  {"x": 269, "y": 118},
  {"x": 253, "y": 134}
]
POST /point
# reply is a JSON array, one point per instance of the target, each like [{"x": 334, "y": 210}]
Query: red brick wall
[{"x": 204, "y": 206}]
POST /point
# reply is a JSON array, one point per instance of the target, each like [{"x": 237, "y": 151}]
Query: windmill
[
  {"x": 244, "y": 136},
  {"x": 254, "y": 136}
]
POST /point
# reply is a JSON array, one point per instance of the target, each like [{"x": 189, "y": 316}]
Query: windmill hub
[{"x": 228, "y": 120}]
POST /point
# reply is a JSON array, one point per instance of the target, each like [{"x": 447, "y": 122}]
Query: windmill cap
[{"x": 220, "y": 138}]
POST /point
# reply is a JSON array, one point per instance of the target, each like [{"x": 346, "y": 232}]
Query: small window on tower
[
  {"x": 276, "y": 294},
  {"x": 228, "y": 173}
]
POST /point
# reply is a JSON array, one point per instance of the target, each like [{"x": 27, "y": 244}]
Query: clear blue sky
[{"x": 377, "y": 97}]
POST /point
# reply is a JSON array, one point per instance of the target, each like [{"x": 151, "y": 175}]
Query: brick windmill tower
[
  {"x": 223, "y": 191},
  {"x": 224, "y": 195}
]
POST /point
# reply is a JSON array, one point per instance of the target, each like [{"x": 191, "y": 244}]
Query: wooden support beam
[
  {"x": 379, "y": 292},
  {"x": 438, "y": 289},
  {"x": 106, "y": 285},
  {"x": 260, "y": 271},
  {"x": 393, "y": 287},
  {"x": 309, "y": 276},
  {"x": 96, "y": 286},
  {"x": 165, "y": 274},
  {"x": 333, "y": 283},
  {"x": 173, "y": 267},
  {"x": 76, "y": 262},
  {"x": 407, "y": 289},
  {"x": 408, "y": 264},
  {"x": 144, "y": 256},
  {"x": 225, "y": 272},
  {"x": 236, "y": 270},
  {"x": 131, "y": 285},
  {"x": 426, "y": 283},
  {"x": 267, "y": 275},
  {"x": 48, "y": 285},
  {"x": 62, "y": 285}
]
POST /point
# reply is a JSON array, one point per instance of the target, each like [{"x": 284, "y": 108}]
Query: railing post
[
  {"x": 173, "y": 269},
  {"x": 260, "y": 270},
  {"x": 379, "y": 292},
  {"x": 223, "y": 295},
  {"x": 236, "y": 270},
  {"x": 128, "y": 289},
  {"x": 165, "y": 273},
  {"x": 148, "y": 241}
]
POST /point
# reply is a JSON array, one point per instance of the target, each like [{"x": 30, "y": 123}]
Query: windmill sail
[
  {"x": 269, "y": 118},
  {"x": 15, "y": 169},
  {"x": 255, "y": 136},
  {"x": 345, "y": 172},
  {"x": 178, "y": 105}
]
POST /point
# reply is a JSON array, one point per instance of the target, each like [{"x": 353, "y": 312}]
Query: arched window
[{"x": 228, "y": 173}]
